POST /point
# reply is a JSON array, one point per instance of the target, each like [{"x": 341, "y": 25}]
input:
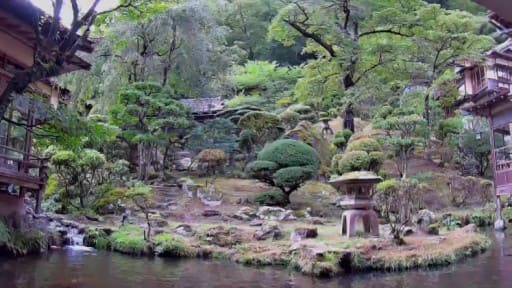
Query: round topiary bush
[
  {"x": 289, "y": 153},
  {"x": 353, "y": 161},
  {"x": 274, "y": 197},
  {"x": 285, "y": 164},
  {"x": 365, "y": 144},
  {"x": 339, "y": 142},
  {"x": 376, "y": 161}
]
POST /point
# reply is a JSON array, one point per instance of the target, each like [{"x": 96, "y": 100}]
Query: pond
[{"x": 85, "y": 269}]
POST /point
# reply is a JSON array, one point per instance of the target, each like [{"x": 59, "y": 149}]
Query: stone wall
[{"x": 10, "y": 205}]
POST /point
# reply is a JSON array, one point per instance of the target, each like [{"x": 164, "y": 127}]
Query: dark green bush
[
  {"x": 286, "y": 164},
  {"x": 289, "y": 153},
  {"x": 339, "y": 142},
  {"x": 354, "y": 161},
  {"x": 261, "y": 169},
  {"x": 293, "y": 176},
  {"x": 346, "y": 133},
  {"x": 447, "y": 127},
  {"x": 365, "y": 144},
  {"x": 274, "y": 197},
  {"x": 376, "y": 161}
]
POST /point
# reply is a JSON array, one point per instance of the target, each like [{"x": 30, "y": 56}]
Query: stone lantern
[{"x": 357, "y": 188}]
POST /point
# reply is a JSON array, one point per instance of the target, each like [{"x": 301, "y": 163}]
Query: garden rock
[
  {"x": 304, "y": 233},
  {"x": 210, "y": 213},
  {"x": 275, "y": 213},
  {"x": 245, "y": 214},
  {"x": 408, "y": 231},
  {"x": 424, "y": 218},
  {"x": 184, "y": 230},
  {"x": 471, "y": 228},
  {"x": 256, "y": 222},
  {"x": 183, "y": 164},
  {"x": 269, "y": 230},
  {"x": 433, "y": 229}
]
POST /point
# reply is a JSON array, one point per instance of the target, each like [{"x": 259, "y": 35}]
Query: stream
[{"x": 69, "y": 268}]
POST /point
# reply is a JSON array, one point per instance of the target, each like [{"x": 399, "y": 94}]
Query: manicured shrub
[
  {"x": 339, "y": 142},
  {"x": 293, "y": 176},
  {"x": 285, "y": 164},
  {"x": 263, "y": 170},
  {"x": 274, "y": 197},
  {"x": 289, "y": 118},
  {"x": 365, "y": 144},
  {"x": 354, "y": 161},
  {"x": 288, "y": 153},
  {"x": 376, "y": 160},
  {"x": 346, "y": 133}
]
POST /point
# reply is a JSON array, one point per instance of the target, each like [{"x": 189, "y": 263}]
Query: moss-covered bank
[{"x": 328, "y": 255}]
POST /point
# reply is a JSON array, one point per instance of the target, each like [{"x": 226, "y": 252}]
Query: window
[
  {"x": 503, "y": 72},
  {"x": 478, "y": 78}
]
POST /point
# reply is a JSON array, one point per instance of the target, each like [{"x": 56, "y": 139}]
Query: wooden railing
[{"x": 21, "y": 168}]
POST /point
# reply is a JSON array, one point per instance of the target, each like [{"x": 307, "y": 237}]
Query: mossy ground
[{"x": 367, "y": 254}]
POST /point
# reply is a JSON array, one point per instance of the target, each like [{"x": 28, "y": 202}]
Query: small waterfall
[
  {"x": 74, "y": 238},
  {"x": 75, "y": 241}
]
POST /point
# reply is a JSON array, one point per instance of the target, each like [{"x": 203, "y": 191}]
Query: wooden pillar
[{"x": 499, "y": 219}]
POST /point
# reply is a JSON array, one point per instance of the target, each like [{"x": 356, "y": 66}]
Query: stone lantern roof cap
[{"x": 362, "y": 177}]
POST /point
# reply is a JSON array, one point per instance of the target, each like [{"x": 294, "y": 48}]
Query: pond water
[{"x": 96, "y": 269}]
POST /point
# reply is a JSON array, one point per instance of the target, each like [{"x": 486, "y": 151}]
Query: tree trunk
[{"x": 427, "y": 116}]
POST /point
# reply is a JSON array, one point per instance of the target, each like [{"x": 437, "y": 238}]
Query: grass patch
[
  {"x": 129, "y": 240},
  {"x": 173, "y": 246}
]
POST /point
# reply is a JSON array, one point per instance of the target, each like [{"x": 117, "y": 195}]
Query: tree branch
[
  {"x": 388, "y": 31},
  {"x": 312, "y": 36}
]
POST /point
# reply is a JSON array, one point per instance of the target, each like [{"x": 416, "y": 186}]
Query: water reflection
[{"x": 69, "y": 269}]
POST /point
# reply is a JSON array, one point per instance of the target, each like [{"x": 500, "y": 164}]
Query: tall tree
[{"x": 54, "y": 45}]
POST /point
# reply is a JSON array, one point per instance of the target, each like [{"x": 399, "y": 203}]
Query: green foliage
[
  {"x": 364, "y": 144},
  {"x": 80, "y": 175},
  {"x": 377, "y": 159},
  {"x": 129, "y": 239},
  {"x": 262, "y": 82},
  {"x": 289, "y": 153},
  {"x": 398, "y": 201},
  {"x": 346, "y": 133},
  {"x": 20, "y": 243},
  {"x": 261, "y": 169},
  {"x": 243, "y": 100},
  {"x": 289, "y": 118},
  {"x": 285, "y": 164},
  {"x": 172, "y": 246},
  {"x": 448, "y": 127},
  {"x": 401, "y": 138},
  {"x": 264, "y": 124},
  {"x": 339, "y": 142},
  {"x": 215, "y": 134},
  {"x": 293, "y": 176},
  {"x": 274, "y": 197},
  {"x": 353, "y": 161},
  {"x": 247, "y": 140}
]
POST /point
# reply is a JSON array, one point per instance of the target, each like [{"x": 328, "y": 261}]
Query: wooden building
[
  {"x": 206, "y": 108},
  {"x": 21, "y": 171},
  {"x": 486, "y": 88}
]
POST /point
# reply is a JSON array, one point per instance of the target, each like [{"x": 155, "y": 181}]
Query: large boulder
[
  {"x": 245, "y": 214},
  {"x": 184, "y": 230},
  {"x": 423, "y": 219},
  {"x": 275, "y": 213},
  {"x": 304, "y": 233},
  {"x": 183, "y": 164},
  {"x": 269, "y": 230}
]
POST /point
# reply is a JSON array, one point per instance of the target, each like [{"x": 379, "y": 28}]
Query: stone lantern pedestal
[{"x": 357, "y": 188}]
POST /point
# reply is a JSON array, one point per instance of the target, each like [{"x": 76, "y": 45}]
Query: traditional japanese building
[
  {"x": 21, "y": 171},
  {"x": 486, "y": 89},
  {"x": 205, "y": 108}
]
